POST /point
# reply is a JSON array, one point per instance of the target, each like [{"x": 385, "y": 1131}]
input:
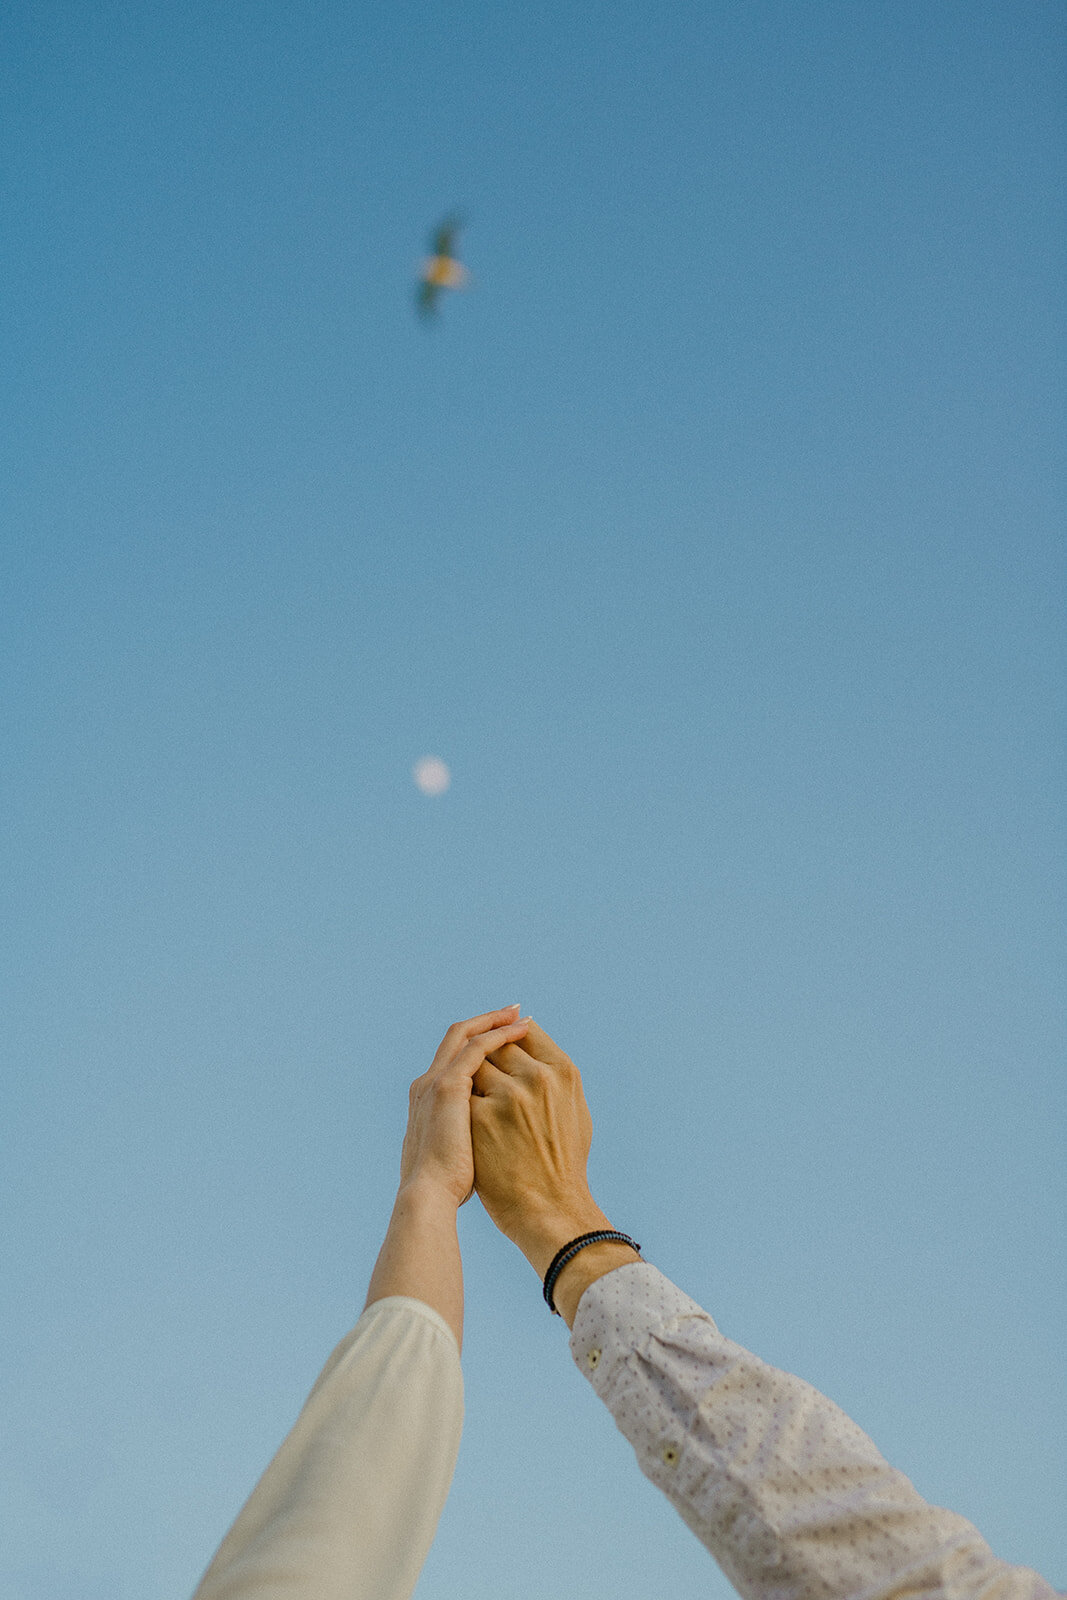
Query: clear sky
[{"x": 714, "y": 540}]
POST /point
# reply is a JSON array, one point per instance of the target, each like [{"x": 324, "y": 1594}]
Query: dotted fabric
[{"x": 790, "y": 1497}]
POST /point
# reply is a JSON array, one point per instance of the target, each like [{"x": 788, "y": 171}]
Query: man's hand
[
  {"x": 437, "y": 1150},
  {"x": 532, "y": 1132}
]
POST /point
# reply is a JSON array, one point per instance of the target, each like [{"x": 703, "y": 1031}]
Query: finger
[
  {"x": 512, "y": 1058},
  {"x": 542, "y": 1047},
  {"x": 475, "y": 1051},
  {"x": 488, "y": 1080},
  {"x": 460, "y": 1032}
]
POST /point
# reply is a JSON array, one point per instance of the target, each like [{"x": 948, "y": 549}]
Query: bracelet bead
[{"x": 569, "y": 1251}]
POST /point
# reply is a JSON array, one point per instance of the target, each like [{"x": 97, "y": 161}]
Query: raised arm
[
  {"x": 790, "y": 1497},
  {"x": 348, "y": 1508}
]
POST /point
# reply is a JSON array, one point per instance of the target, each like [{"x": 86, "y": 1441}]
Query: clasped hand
[{"x": 502, "y": 1109}]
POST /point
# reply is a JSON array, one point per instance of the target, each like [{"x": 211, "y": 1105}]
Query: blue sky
[{"x": 714, "y": 539}]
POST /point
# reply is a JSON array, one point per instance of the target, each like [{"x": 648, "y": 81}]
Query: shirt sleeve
[
  {"x": 348, "y": 1508},
  {"x": 786, "y": 1492}
]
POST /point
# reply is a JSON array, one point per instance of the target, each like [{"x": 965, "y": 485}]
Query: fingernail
[
  {"x": 515, "y": 1007},
  {"x": 524, "y": 1019}
]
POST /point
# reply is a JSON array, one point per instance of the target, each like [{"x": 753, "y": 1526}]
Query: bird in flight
[{"x": 440, "y": 270}]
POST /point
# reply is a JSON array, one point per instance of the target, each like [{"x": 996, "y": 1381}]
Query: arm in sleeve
[
  {"x": 786, "y": 1492},
  {"x": 348, "y": 1508}
]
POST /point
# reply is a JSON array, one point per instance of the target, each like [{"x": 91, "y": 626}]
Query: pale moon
[{"x": 431, "y": 775}]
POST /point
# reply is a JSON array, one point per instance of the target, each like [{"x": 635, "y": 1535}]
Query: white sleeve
[
  {"x": 348, "y": 1508},
  {"x": 790, "y": 1496}
]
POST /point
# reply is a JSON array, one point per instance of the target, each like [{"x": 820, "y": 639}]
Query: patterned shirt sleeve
[
  {"x": 348, "y": 1508},
  {"x": 790, "y": 1497}
]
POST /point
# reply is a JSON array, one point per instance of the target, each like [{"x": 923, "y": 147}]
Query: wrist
[
  {"x": 430, "y": 1198},
  {"x": 543, "y": 1232},
  {"x": 594, "y": 1262}
]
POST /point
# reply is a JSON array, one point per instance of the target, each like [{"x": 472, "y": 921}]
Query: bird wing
[{"x": 443, "y": 238}]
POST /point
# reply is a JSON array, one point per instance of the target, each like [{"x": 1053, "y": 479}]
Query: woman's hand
[
  {"x": 420, "y": 1254},
  {"x": 437, "y": 1152}
]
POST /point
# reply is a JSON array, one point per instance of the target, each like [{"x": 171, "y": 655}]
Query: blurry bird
[{"x": 440, "y": 270}]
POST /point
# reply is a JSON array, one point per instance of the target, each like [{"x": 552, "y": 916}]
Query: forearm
[
  {"x": 786, "y": 1492},
  {"x": 420, "y": 1254}
]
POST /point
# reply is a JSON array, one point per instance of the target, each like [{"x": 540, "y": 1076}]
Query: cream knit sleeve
[{"x": 348, "y": 1508}]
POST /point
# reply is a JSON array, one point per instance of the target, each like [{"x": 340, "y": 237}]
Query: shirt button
[
  {"x": 670, "y": 1454},
  {"x": 593, "y": 1359}
]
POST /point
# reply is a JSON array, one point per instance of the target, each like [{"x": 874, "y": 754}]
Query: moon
[{"x": 431, "y": 775}]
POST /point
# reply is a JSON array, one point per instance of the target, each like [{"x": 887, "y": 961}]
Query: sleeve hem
[{"x": 404, "y": 1302}]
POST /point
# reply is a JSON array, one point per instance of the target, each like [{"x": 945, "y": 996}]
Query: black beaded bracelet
[{"x": 569, "y": 1251}]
